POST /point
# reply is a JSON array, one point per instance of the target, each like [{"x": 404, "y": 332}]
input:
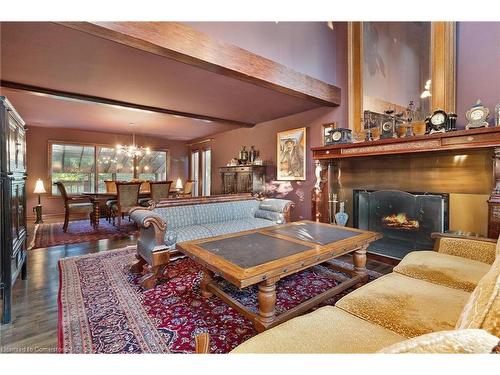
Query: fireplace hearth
[{"x": 405, "y": 219}]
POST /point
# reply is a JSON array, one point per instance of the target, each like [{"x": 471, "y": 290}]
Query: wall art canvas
[{"x": 291, "y": 156}]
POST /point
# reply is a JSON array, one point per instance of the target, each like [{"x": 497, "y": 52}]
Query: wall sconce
[{"x": 39, "y": 189}]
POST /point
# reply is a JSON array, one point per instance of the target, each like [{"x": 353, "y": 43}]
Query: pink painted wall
[
  {"x": 38, "y": 165},
  {"x": 478, "y": 67},
  {"x": 263, "y": 136},
  {"x": 308, "y": 47}
]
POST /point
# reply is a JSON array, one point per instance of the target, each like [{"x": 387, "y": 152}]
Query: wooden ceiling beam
[
  {"x": 187, "y": 45},
  {"x": 58, "y": 94}
]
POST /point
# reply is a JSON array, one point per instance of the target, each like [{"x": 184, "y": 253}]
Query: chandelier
[{"x": 132, "y": 151}]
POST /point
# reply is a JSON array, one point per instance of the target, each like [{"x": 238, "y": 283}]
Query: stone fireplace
[{"x": 405, "y": 219}]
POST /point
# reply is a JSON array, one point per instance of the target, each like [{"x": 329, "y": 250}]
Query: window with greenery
[
  {"x": 113, "y": 166},
  {"x": 86, "y": 167},
  {"x": 74, "y": 165}
]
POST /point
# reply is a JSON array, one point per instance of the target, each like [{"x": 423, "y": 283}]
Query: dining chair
[
  {"x": 145, "y": 186},
  {"x": 127, "y": 197},
  {"x": 110, "y": 188},
  {"x": 78, "y": 207},
  {"x": 188, "y": 189},
  {"x": 159, "y": 190}
]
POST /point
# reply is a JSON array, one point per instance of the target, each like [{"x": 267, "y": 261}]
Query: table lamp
[
  {"x": 178, "y": 184},
  {"x": 39, "y": 189}
]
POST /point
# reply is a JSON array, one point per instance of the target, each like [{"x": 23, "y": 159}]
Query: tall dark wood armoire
[{"x": 12, "y": 202}]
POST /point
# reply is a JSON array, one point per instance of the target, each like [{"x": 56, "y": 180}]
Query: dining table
[{"x": 99, "y": 198}]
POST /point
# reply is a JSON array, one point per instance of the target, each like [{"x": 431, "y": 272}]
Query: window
[
  {"x": 74, "y": 166},
  {"x": 85, "y": 167},
  {"x": 195, "y": 166},
  {"x": 207, "y": 171},
  {"x": 153, "y": 166},
  {"x": 113, "y": 166}
]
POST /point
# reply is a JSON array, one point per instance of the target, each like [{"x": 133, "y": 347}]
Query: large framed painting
[{"x": 291, "y": 156}]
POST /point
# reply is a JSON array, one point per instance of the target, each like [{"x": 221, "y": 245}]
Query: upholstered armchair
[
  {"x": 127, "y": 197},
  {"x": 74, "y": 204}
]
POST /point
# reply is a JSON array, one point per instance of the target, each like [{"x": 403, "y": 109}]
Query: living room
[{"x": 260, "y": 187}]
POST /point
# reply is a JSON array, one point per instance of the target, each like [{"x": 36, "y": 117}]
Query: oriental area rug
[
  {"x": 52, "y": 234},
  {"x": 103, "y": 309}
]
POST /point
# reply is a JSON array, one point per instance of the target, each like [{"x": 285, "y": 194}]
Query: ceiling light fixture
[{"x": 132, "y": 151}]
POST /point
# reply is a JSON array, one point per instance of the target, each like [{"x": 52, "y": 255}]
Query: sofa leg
[
  {"x": 149, "y": 279},
  {"x": 138, "y": 267}
]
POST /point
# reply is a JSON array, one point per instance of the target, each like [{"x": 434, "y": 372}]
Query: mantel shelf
[{"x": 461, "y": 140}]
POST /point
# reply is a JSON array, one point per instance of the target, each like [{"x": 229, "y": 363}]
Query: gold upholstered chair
[
  {"x": 127, "y": 197},
  {"x": 74, "y": 204}
]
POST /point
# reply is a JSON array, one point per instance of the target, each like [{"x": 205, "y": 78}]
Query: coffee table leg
[
  {"x": 359, "y": 260},
  {"x": 267, "y": 304},
  {"x": 207, "y": 278}
]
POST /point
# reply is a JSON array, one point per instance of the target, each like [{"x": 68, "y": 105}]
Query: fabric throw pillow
[
  {"x": 483, "y": 307},
  {"x": 465, "y": 341}
]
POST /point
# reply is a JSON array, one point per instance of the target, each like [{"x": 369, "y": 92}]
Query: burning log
[{"x": 400, "y": 221}]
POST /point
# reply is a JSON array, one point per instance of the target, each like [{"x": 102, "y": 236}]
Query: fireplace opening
[{"x": 405, "y": 219}]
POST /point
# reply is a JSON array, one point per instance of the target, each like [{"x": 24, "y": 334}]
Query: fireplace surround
[{"x": 405, "y": 219}]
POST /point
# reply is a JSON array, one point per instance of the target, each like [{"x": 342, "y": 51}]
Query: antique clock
[
  {"x": 437, "y": 122},
  {"x": 339, "y": 136},
  {"x": 477, "y": 116},
  {"x": 388, "y": 128}
]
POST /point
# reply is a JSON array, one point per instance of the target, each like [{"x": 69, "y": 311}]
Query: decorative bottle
[{"x": 341, "y": 217}]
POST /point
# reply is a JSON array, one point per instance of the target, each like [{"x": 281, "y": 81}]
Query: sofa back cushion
[
  {"x": 176, "y": 217},
  {"x": 245, "y": 209},
  {"x": 483, "y": 307},
  {"x": 209, "y": 213}
]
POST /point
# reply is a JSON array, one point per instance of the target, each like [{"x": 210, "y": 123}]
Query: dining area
[{"x": 119, "y": 197}]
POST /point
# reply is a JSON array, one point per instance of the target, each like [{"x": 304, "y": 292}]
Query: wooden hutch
[{"x": 243, "y": 179}]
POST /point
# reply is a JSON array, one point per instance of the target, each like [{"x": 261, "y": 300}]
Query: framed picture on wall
[{"x": 291, "y": 155}]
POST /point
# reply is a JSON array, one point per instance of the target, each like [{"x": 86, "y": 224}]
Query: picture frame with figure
[{"x": 291, "y": 155}]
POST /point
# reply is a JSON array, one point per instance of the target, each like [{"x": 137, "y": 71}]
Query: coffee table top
[{"x": 248, "y": 257}]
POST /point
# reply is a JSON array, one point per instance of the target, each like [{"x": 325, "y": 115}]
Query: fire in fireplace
[
  {"x": 400, "y": 221},
  {"x": 406, "y": 220}
]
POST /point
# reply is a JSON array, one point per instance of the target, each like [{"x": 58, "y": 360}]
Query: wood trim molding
[
  {"x": 443, "y": 59},
  {"x": 443, "y": 52},
  {"x": 187, "y": 45},
  {"x": 58, "y": 94},
  {"x": 355, "y": 74}
]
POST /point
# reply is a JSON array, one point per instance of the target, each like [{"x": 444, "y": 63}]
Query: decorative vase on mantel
[{"x": 243, "y": 155}]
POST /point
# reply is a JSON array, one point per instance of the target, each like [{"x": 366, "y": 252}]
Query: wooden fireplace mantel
[
  {"x": 324, "y": 196},
  {"x": 462, "y": 140}
]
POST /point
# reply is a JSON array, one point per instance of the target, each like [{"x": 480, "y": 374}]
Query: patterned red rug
[
  {"x": 102, "y": 309},
  {"x": 80, "y": 231}
]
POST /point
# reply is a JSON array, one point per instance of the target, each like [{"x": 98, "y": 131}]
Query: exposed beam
[
  {"x": 187, "y": 45},
  {"x": 58, "y": 94}
]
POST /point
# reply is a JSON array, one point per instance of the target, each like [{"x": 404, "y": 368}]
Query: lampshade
[
  {"x": 178, "y": 183},
  {"x": 39, "y": 188}
]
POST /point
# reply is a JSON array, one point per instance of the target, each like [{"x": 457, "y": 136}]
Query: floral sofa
[
  {"x": 175, "y": 220},
  {"x": 442, "y": 301}
]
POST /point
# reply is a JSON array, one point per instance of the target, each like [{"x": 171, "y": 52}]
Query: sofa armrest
[
  {"x": 282, "y": 206},
  {"x": 152, "y": 232},
  {"x": 475, "y": 248}
]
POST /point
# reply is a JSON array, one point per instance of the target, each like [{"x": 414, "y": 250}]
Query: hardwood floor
[{"x": 35, "y": 311}]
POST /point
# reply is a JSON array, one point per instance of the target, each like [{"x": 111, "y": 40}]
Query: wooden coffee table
[{"x": 266, "y": 255}]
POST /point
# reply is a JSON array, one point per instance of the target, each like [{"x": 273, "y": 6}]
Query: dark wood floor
[{"x": 35, "y": 310}]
